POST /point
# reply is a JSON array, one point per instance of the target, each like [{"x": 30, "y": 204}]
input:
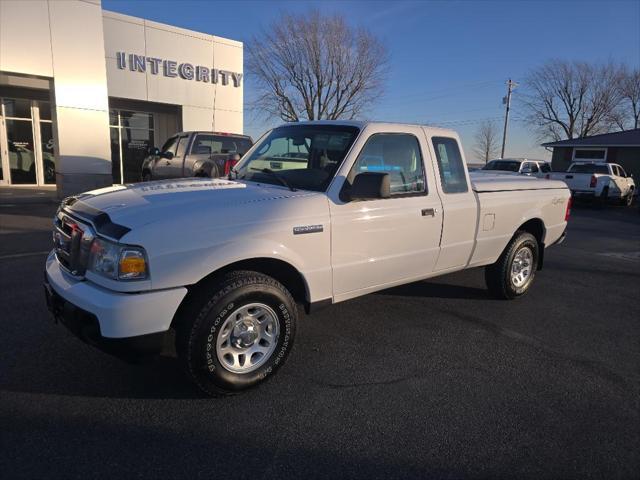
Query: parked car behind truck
[
  {"x": 605, "y": 181},
  {"x": 316, "y": 213},
  {"x": 195, "y": 154},
  {"x": 522, "y": 166}
]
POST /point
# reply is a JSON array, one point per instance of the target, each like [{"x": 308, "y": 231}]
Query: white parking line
[{"x": 20, "y": 255}]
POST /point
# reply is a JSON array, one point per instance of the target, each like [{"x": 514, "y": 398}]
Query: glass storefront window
[
  {"x": 17, "y": 108},
  {"x": 113, "y": 118},
  {"x": 132, "y": 135},
  {"x": 136, "y": 120},
  {"x": 115, "y": 155},
  {"x": 45, "y": 110},
  {"x": 48, "y": 155},
  {"x": 28, "y": 156},
  {"x": 22, "y": 160},
  {"x": 135, "y": 145}
]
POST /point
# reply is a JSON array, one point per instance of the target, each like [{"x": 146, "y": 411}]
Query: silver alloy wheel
[
  {"x": 248, "y": 338},
  {"x": 521, "y": 267}
]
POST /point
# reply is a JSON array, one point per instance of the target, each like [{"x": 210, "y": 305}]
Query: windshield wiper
[{"x": 276, "y": 176}]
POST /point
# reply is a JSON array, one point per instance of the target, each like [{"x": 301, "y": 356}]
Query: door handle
[
  {"x": 429, "y": 212},
  {"x": 168, "y": 162}
]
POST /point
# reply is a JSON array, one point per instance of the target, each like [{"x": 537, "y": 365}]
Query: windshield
[
  {"x": 305, "y": 156},
  {"x": 588, "y": 168},
  {"x": 505, "y": 165}
]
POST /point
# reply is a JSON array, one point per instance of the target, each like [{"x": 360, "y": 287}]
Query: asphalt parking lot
[{"x": 432, "y": 379}]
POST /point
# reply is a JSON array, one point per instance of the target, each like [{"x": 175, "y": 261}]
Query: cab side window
[
  {"x": 206, "y": 145},
  {"x": 182, "y": 146},
  {"x": 450, "y": 164},
  {"x": 397, "y": 154},
  {"x": 534, "y": 167},
  {"x": 170, "y": 145},
  {"x": 545, "y": 168}
]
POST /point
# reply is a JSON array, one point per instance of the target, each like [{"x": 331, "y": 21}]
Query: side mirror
[
  {"x": 154, "y": 151},
  {"x": 370, "y": 186},
  {"x": 167, "y": 155}
]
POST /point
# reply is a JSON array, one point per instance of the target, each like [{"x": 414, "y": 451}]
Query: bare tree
[
  {"x": 565, "y": 100},
  {"x": 627, "y": 115},
  {"x": 316, "y": 67},
  {"x": 486, "y": 146}
]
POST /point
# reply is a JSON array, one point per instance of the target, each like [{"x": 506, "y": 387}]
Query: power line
[
  {"x": 446, "y": 90},
  {"x": 459, "y": 123},
  {"x": 421, "y": 99}
]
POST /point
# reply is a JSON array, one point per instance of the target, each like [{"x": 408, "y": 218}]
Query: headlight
[{"x": 118, "y": 262}]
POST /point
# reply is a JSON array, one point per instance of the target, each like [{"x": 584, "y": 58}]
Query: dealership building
[{"x": 85, "y": 92}]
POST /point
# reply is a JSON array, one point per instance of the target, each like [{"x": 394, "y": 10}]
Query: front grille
[{"x": 72, "y": 242}]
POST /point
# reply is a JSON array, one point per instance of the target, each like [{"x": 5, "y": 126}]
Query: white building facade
[{"x": 85, "y": 92}]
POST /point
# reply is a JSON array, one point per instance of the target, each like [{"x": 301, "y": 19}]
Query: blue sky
[{"x": 449, "y": 59}]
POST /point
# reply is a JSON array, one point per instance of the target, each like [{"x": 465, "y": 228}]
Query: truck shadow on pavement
[
  {"x": 428, "y": 289},
  {"x": 160, "y": 378},
  {"x": 149, "y": 450}
]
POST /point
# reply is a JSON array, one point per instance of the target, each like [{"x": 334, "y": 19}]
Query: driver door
[
  {"x": 381, "y": 242},
  {"x": 171, "y": 167}
]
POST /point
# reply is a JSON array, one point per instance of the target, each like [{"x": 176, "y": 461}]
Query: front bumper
[{"x": 107, "y": 319}]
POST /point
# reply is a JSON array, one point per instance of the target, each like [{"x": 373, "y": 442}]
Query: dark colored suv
[{"x": 195, "y": 154}]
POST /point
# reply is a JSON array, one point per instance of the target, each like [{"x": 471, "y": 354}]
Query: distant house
[{"x": 619, "y": 147}]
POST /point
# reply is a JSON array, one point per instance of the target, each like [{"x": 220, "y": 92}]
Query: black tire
[
  {"x": 498, "y": 275},
  {"x": 628, "y": 200},
  {"x": 200, "y": 324}
]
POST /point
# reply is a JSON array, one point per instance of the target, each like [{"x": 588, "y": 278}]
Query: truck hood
[
  {"x": 486, "y": 182},
  {"x": 134, "y": 205}
]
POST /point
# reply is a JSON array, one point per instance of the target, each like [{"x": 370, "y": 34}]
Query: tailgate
[{"x": 576, "y": 181}]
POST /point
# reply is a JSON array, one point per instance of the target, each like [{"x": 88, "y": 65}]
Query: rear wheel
[
  {"x": 512, "y": 275},
  {"x": 236, "y": 332}
]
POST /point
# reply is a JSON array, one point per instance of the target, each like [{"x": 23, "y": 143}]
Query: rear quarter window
[{"x": 452, "y": 172}]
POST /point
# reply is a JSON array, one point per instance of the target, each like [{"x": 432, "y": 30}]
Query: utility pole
[{"x": 507, "y": 101}]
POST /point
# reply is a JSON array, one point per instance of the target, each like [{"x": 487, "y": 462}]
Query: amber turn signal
[{"x": 132, "y": 265}]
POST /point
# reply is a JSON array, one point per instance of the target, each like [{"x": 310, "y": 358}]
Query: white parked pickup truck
[
  {"x": 605, "y": 181},
  {"x": 315, "y": 213}
]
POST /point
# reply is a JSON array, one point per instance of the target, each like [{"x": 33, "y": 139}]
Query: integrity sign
[{"x": 170, "y": 68}]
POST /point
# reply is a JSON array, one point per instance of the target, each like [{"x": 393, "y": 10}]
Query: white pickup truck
[
  {"x": 604, "y": 181},
  {"x": 316, "y": 213}
]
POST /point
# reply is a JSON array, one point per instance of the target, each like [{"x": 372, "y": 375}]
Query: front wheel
[
  {"x": 236, "y": 332},
  {"x": 512, "y": 275}
]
